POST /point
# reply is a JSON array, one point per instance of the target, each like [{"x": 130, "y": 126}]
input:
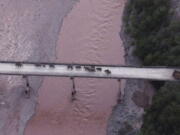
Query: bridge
[{"x": 89, "y": 71}]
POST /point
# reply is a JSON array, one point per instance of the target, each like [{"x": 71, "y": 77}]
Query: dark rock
[
  {"x": 140, "y": 99},
  {"x": 176, "y": 75},
  {"x": 126, "y": 129}
]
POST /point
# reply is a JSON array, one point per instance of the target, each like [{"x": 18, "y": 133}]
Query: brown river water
[{"x": 89, "y": 34}]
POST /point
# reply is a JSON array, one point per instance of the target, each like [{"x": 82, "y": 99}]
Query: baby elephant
[
  {"x": 18, "y": 64},
  {"x": 51, "y": 65},
  {"x": 107, "y": 71},
  {"x": 69, "y": 67},
  {"x": 78, "y": 67},
  {"x": 37, "y": 64}
]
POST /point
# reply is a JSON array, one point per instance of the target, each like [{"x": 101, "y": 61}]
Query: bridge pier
[{"x": 73, "y": 93}]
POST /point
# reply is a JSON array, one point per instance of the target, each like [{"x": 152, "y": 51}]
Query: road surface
[{"x": 85, "y": 70}]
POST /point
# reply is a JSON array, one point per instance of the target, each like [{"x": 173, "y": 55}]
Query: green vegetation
[
  {"x": 163, "y": 117},
  {"x": 155, "y": 34}
]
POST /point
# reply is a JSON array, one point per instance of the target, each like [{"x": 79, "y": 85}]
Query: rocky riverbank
[{"x": 126, "y": 118}]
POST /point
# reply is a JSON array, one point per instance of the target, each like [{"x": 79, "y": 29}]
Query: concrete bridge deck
[{"x": 85, "y": 70}]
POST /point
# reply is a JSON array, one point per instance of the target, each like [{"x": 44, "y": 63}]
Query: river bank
[{"x": 126, "y": 118}]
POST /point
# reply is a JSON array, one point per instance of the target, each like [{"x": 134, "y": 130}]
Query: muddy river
[{"x": 89, "y": 34}]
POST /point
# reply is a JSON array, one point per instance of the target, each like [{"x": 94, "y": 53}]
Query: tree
[
  {"x": 156, "y": 36},
  {"x": 163, "y": 117}
]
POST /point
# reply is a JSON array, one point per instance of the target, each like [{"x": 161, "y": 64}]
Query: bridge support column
[
  {"x": 73, "y": 93},
  {"x": 27, "y": 91}
]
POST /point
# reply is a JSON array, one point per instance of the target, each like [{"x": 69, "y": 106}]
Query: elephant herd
[{"x": 90, "y": 68}]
